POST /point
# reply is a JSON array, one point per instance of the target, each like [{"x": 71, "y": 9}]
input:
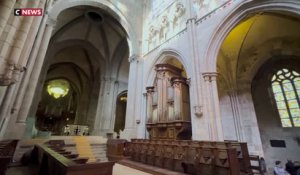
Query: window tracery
[{"x": 286, "y": 92}]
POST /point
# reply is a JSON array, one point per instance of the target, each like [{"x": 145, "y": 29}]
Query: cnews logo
[{"x": 28, "y": 12}]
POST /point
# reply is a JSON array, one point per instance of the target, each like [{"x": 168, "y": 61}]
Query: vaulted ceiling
[
  {"x": 255, "y": 40},
  {"x": 88, "y": 44}
]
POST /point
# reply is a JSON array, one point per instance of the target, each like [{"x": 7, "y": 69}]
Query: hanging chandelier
[{"x": 58, "y": 88}]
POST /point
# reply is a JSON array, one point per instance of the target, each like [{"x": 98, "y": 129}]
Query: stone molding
[
  {"x": 210, "y": 76},
  {"x": 51, "y": 22}
]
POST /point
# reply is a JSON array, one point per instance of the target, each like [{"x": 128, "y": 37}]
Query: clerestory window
[{"x": 286, "y": 91}]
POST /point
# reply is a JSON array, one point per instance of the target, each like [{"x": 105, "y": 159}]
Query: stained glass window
[{"x": 286, "y": 91}]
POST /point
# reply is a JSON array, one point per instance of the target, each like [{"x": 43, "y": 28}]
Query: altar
[{"x": 76, "y": 130}]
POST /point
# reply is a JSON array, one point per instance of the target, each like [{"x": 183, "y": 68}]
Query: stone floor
[{"x": 118, "y": 170}]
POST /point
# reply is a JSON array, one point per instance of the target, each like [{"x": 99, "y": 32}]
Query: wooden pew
[
  {"x": 116, "y": 149},
  {"x": 193, "y": 157},
  {"x": 7, "y": 150},
  {"x": 51, "y": 162}
]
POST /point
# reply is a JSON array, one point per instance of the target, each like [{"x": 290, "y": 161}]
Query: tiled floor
[
  {"x": 118, "y": 170},
  {"x": 124, "y": 170}
]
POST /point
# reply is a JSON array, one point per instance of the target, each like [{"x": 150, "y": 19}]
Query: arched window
[{"x": 286, "y": 91}]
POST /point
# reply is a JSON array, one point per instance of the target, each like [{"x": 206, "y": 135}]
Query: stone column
[
  {"x": 213, "y": 109},
  {"x": 115, "y": 89},
  {"x": 236, "y": 113},
  {"x": 108, "y": 110},
  {"x": 6, "y": 8},
  {"x": 14, "y": 70},
  {"x": 141, "y": 128},
  {"x": 130, "y": 125},
  {"x": 30, "y": 64},
  {"x": 200, "y": 124},
  {"x": 4, "y": 110},
  {"x": 100, "y": 106},
  {"x": 13, "y": 44},
  {"x": 150, "y": 91},
  {"x": 28, "y": 98}
]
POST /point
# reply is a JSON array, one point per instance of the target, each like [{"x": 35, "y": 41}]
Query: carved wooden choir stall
[
  {"x": 169, "y": 127},
  {"x": 168, "y": 108},
  {"x": 191, "y": 157}
]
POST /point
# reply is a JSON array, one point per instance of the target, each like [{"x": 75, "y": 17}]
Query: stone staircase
[
  {"x": 99, "y": 151},
  {"x": 83, "y": 148}
]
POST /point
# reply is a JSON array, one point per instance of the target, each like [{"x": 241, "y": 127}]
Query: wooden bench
[
  {"x": 115, "y": 149},
  {"x": 7, "y": 150},
  {"x": 193, "y": 157},
  {"x": 52, "y": 162}
]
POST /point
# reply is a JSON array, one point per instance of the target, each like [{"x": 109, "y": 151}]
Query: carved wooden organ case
[{"x": 168, "y": 105}]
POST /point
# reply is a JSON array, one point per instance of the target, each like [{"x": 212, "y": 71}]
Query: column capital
[
  {"x": 134, "y": 58},
  {"x": 210, "y": 76}
]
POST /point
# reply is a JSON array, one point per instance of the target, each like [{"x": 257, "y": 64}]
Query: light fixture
[
  {"x": 123, "y": 98},
  {"x": 58, "y": 88}
]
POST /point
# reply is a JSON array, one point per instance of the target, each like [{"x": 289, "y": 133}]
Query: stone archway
[
  {"x": 235, "y": 17},
  {"x": 62, "y": 5},
  {"x": 99, "y": 68},
  {"x": 120, "y": 112},
  {"x": 269, "y": 115},
  {"x": 245, "y": 42}
]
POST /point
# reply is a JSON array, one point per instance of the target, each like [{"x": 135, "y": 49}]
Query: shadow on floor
[{"x": 23, "y": 170}]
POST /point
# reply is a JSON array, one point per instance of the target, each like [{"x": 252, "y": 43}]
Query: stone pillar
[
  {"x": 108, "y": 110},
  {"x": 41, "y": 24},
  {"x": 12, "y": 45},
  {"x": 130, "y": 124},
  {"x": 236, "y": 113},
  {"x": 4, "y": 110},
  {"x": 115, "y": 89},
  {"x": 141, "y": 124},
  {"x": 200, "y": 124},
  {"x": 12, "y": 73},
  {"x": 6, "y": 8},
  {"x": 28, "y": 98},
  {"x": 100, "y": 108},
  {"x": 150, "y": 91},
  {"x": 213, "y": 109}
]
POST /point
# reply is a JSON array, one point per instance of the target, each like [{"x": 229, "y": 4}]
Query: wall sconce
[
  {"x": 138, "y": 121},
  {"x": 198, "y": 111}
]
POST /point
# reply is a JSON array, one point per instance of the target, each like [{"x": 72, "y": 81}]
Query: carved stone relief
[{"x": 166, "y": 25}]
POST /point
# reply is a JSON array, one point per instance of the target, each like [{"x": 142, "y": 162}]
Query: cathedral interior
[{"x": 146, "y": 87}]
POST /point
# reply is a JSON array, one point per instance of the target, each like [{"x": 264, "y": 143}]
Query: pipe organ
[{"x": 168, "y": 108}]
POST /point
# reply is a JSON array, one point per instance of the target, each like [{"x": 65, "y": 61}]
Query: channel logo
[{"x": 28, "y": 12}]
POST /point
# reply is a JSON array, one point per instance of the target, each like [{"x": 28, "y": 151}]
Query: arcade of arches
[{"x": 154, "y": 69}]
